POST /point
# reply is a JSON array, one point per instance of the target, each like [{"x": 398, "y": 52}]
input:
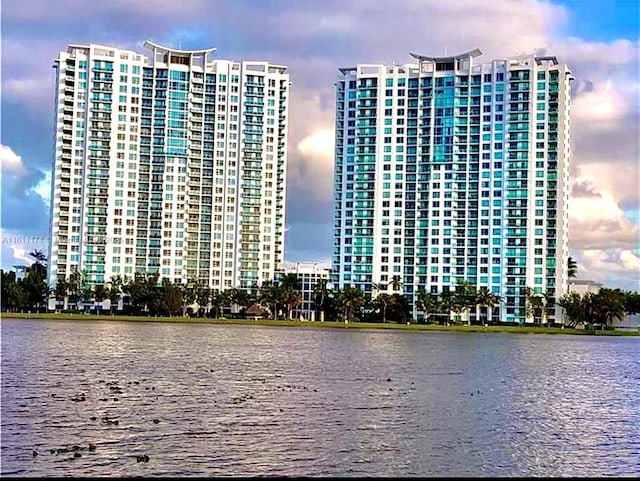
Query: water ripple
[{"x": 204, "y": 400}]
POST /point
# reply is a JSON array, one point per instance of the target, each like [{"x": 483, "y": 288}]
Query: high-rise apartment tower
[
  {"x": 172, "y": 163},
  {"x": 450, "y": 170}
]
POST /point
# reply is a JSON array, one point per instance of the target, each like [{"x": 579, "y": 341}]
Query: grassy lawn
[{"x": 334, "y": 325}]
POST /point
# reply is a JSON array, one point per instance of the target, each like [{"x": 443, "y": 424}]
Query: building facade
[
  {"x": 309, "y": 274},
  {"x": 584, "y": 286},
  {"x": 172, "y": 163},
  {"x": 450, "y": 169}
]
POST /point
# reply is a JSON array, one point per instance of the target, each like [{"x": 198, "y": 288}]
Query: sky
[{"x": 598, "y": 40}]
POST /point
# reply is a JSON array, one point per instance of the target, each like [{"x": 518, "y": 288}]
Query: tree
[
  {"x": 632, "y": 302},
  {"x": 100, "y": 293},
  {"x": 350, "y": 300},
  {"x": 381, "y": 302},
  {"x": 572, "y": 267},
  {"x": 61, "y": 289},
  {"x": 203, "y": 295},
  {"x": 240, "y": 298},
  {"x": 446, "y": 305},
  {"x": 115, "y": 291},
  {"x": 399, "y": 308},
  {"x": 464, "y": 298},
  {"x": 35, "y": 287},
  {"x": 217, "y": 300},
  {"x": 269, "y": 296},
  {"x": 39, "y": 261},
  {"x": 189, "y": 295},
  {"x": 427, "y": 303},
  {"x": 171, "y": 299},
  {"x": 396, "y": 283},
  {"x": 143, "y": 292},
  {"x": 487, "y": 299},
  {"x": 75, "y": 286},
  {"x": 320, "y": 291},
  {"x": 535, "y": 305},
  {"x": 609, "y": 306},
  {"x": 13, "y": 296},
  {"x": 571, "y": 304}
]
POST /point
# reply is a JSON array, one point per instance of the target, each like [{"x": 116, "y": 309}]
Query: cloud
[
  {"x": 311, "y": 168},
  {"x": 20, "y": 253},
  {"x": 19, "y": 197},
  {"x": 315, "y": 38},
  {"x": 604, "y": 104},
  {"x": 619, "y": 268}
]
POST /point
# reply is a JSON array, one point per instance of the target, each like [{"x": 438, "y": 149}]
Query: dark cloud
[{"x": 584, "y": 189}]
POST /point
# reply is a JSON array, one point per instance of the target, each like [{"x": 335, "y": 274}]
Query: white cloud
[
  {"x": 605, "y": 103},
  {"x": 43, "y": 189},
  {"x": 11, "y": 162},
  {"x": 614, "y": 268},
  {"x": 20, "y": 254},
  {"x": 320, "y": 143},
  {"x": 311, "y": 165}
]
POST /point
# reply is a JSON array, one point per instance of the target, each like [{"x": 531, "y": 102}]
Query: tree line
[{"x": 148, "y": 294}]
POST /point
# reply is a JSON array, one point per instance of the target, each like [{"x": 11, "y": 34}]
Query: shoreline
[{"x": 317, "y": 324}]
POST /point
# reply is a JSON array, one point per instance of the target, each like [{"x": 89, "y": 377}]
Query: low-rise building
[{"x": 309, "y": 273}]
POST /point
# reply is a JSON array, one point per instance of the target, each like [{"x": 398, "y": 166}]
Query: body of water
[{"x": 105, "y": 398}]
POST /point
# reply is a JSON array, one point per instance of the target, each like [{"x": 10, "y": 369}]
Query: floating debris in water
[
  {"x": 34, "y": 453},
  {"x": 144, "y": 458},
  {"x": 108, "y": 420}
]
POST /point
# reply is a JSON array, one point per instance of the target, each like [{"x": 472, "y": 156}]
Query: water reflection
[{"x": 241, "y": 400}]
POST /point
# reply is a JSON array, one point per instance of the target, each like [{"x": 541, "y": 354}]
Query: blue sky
[
  {"x": 603, "y": 20},
  {"x": 597, "y": 39}
]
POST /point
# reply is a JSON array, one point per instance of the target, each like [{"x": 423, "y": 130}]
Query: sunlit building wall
[
  {"x": 449, "y": 169},
  {"x": 172, "y": 163}
]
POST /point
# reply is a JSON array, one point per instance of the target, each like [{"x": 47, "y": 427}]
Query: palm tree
[
  {"x": 321, "y": 291},
  {"x": 464, "y": 298},
  {"x": 427, "y": 303},
  {"x": 487, "y": 299},
  {"x": 380, "y": 287},
  {"x": 291, "y": 298},
  {"x": 203, "y": 294},
  {"x": 571, "y": 304},
  {"x": 609, "y": 305},
  {"x": 396, "y": 283},
  {"x": 115, "y": 291},
  {"x": 75, "y": 286},
  {"x": 572, "y": 266},
  {"x": 38, "y": 256},
  {"x": 241, "y": 298},
  {"x": 290, "y": 280},
  {"x": 383, "y": 301},
  {"x": 218, "y": 300},
  {"x": 39, "y": 260},
  {"x": 189, "y": 294},
  {"x": 535, "y": 305},
  {"x": 446, "y": 304},
  {"x": 351, "y": 299},
  {"x": 60, "y": 290},
  {"x": 269, "y": 296},
  {"x": 100, "y": 293}
]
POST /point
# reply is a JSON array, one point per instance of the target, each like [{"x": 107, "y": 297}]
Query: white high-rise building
[
  {"x": 449, "y": 169},
  {"x": 172, "y": 163}
]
